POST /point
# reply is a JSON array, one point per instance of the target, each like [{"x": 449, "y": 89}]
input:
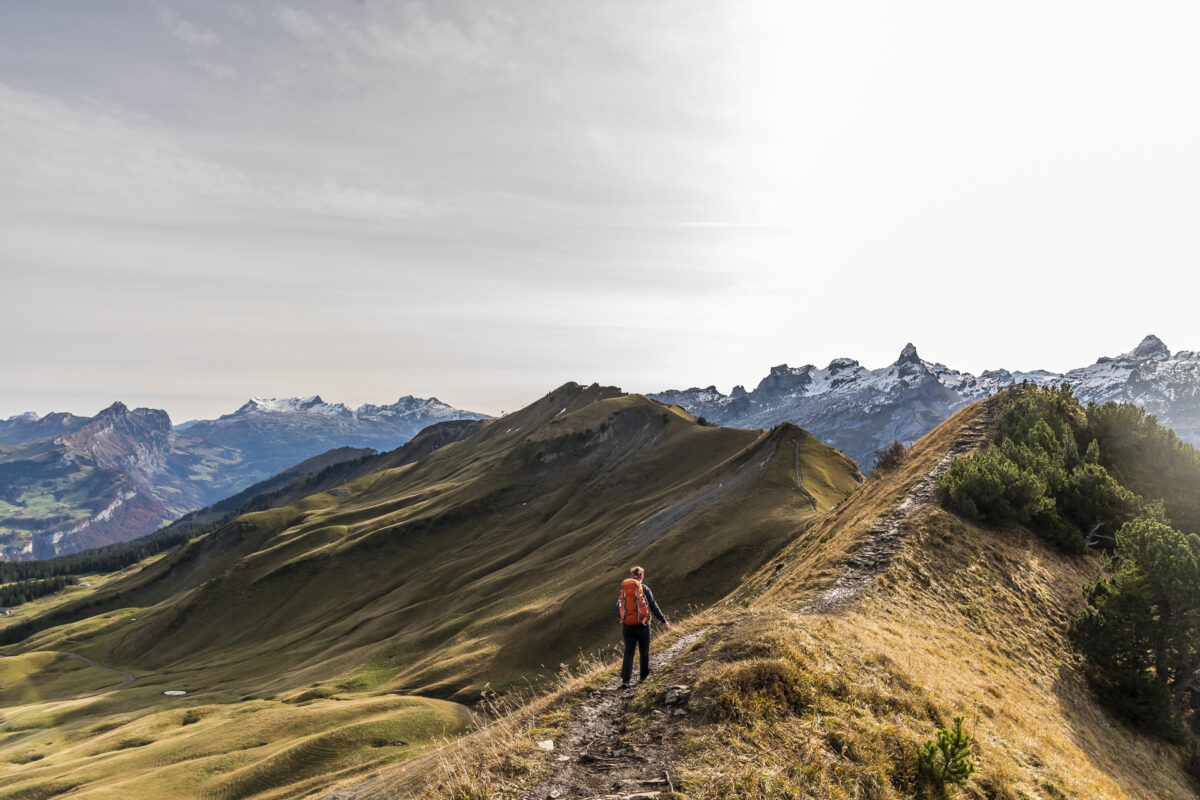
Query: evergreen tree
[
  {"x": 1142, "y": 632},
  {"x": 948, "y": 757}
]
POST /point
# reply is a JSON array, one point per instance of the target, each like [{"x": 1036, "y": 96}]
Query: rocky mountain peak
[
  {"x": 1151, "y": 347},
  {"x": 117, "y": 409},
  {"x": 863, "y": 410},
  {"x": 786, "y": 380},
  {"x": 909, "y": 355},
  {"x": 135, "y": 422}
]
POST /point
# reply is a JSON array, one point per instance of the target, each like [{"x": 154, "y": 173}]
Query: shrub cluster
[
  {"x": 1108, "y": 475},
  {"x": 889, "y": 457},
  {"x": 1042, "y": 469}
]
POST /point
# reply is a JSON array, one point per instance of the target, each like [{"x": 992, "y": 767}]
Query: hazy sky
[{"x": 481, "y": 200}]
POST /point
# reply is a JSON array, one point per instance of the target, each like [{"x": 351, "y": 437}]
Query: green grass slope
[
  {"x": 485, "y": 563},
  {"x": 788, "y": 702},
  {"x": 489, "y": 558}
]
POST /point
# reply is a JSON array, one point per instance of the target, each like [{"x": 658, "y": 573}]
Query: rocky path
[
  {"x": 599, "y": 758},
  {"x": 884, "y": 537}
]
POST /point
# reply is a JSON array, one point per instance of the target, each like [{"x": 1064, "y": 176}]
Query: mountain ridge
[
  {"x": 70, "y": 483},
  {"x": 499, "y": 521},
  {"x": 861, "y": 411}
]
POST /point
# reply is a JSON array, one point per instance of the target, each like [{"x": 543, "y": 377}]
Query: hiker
[{"x": 635, "y": 604}]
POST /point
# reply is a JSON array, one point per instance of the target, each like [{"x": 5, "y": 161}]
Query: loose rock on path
[
  {"x": 884, "y": 537},
  {"x": 595, "y": 760}
]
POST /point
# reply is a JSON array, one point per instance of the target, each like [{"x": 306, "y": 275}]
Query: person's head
[{"x": 637, "y": 572}]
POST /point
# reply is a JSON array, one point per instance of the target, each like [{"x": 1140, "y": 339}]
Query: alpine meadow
[{"x": 399, "y": 400}]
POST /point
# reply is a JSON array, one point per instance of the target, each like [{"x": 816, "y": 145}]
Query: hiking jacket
[{"x": 654, "y": 609}]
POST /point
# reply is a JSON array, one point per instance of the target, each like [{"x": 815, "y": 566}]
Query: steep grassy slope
[
  {"x": 798, "y": 691},
  {"x": 492, "y": 556},
  {"x": 487, "y": 562},
  {"x": 965, "y": 620}
]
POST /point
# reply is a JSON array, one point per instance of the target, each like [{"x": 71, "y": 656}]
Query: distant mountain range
[
  {"x": 497, "y": 546},
  {"x": 860, "y": 411},
  {"x": 276, "y": 433},
  {"x": 68, "y": 483}
]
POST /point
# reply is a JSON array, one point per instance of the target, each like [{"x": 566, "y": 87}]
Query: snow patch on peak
[{"x": 313, "y": 405}]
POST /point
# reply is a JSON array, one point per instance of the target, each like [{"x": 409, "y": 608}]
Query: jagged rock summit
[
  {"x": 861, "y": 411},
  {"x": 1150, "y": 347}
]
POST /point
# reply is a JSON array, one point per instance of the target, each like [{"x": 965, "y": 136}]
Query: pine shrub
[
  {"x": 889, "y": 457},
  {"x": 948, "y": 759}
]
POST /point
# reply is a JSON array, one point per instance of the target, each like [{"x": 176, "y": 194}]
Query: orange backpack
[{"x": 631, "y": 603}]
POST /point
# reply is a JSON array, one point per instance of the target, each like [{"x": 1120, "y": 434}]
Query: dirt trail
[
  {"x": 884, "y": 537},
  {"x": 594, "y": 759},
  {"x": 129, "y": 677},
  {"x": 598, "y": 758}
]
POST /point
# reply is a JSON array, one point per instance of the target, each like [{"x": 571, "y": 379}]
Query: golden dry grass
[{"x": 966, "y": 620}]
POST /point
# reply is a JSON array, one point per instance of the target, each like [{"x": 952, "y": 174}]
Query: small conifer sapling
[{"x": 948, "y": 758}]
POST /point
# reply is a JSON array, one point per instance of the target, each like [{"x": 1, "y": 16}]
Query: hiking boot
[{"x": 624, "y": 684}]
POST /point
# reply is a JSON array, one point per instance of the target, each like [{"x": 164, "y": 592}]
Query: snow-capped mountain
[
  {"x": 314, "y": 405},
  {"x": 860, "y": 410},
  {"x": 276, "y": 432}
]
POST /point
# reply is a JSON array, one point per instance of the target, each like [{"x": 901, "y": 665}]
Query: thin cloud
[
  {"x": 221, "y": 71},
  {"x": 186, "y": 31},
  {"x": 301, "y": 24},
  {"x": 96, "y": 161}
]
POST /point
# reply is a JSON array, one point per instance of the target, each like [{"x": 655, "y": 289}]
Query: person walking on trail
[{"x": 635, "y": 604}]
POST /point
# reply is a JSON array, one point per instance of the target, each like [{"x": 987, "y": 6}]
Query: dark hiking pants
[{"x": 639, "y": 636}]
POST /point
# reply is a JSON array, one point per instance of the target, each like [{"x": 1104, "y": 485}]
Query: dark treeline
[
  {"x": 30, "y": 575},
  {"x": 17, "y": 593},
  {"x": 103, "y": 559}
]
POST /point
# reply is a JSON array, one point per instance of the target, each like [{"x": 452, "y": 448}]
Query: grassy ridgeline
[
  {"x": 486, "y": 563},
  {"x": 967, "y": 619}
]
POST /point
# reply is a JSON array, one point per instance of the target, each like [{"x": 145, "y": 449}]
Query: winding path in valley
[{"x": 128, "y": 676}]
